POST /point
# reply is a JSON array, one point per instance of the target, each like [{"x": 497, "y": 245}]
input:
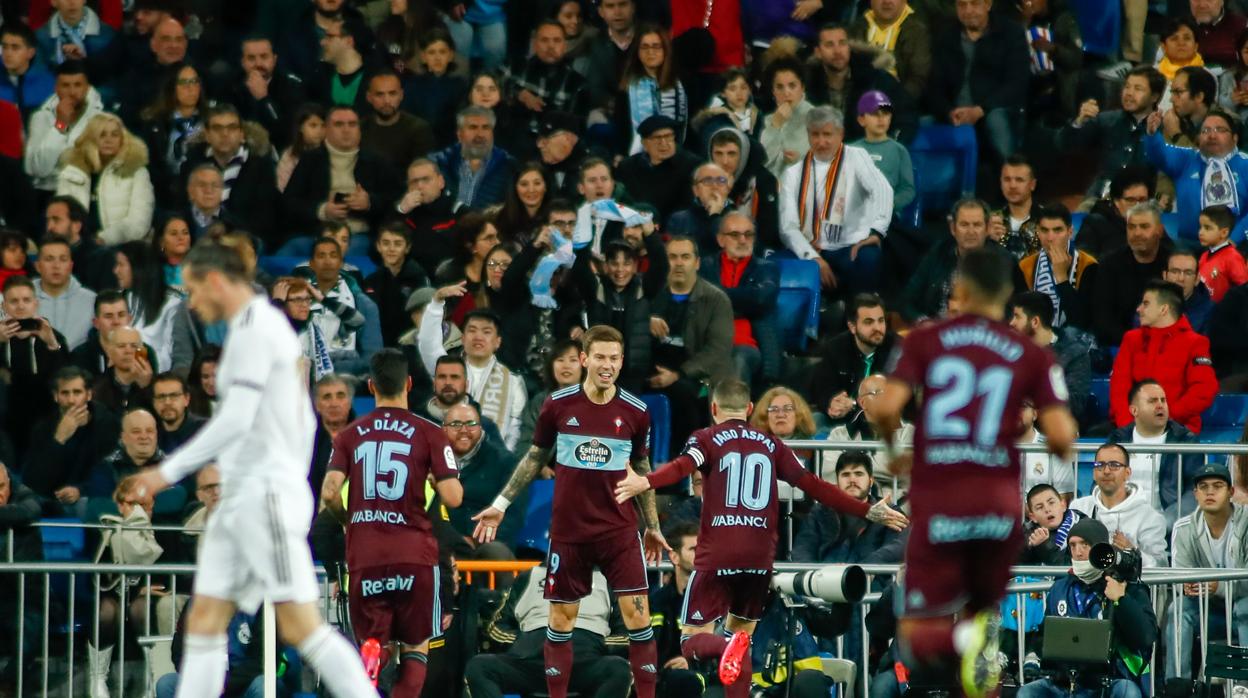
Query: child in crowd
[
  {"x": 736, "y": 101},
  {"x": 12, "y": 255},
  {"x": 875, "y": 115},
  {"x": 1221, "y": 265},
  {"x": 436, "y": 93},
  {"x": 1048, "y": 524}
]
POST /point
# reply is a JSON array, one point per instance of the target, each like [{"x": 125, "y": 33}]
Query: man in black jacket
[
  {"x": 847, "y": 358},
  {"x": 660, "y": 174},
  {"x": 1124, "y": 273},
  {"x": 430, "y": 211},
  {"x": 1105, "y": 228},
  {"x": 755, "y": 191},
  {"x": 838, "y": 76},
  {"x": 562, "y": 149},
  {"x": 621, "y": 298},
  {"x": 264, "y": 94},
  {"x": 30, "y": 352},
  {"x": 93, "y": 263},
  {"x": 111, "y": 313}
]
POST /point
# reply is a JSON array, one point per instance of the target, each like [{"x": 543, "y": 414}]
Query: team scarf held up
[
  {"x": 1046, "y": 283},
  {"x": 824, "y": 212}
]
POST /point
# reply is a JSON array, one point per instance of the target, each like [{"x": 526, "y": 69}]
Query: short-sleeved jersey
[
  {"x": 740, "y": 509},
  {"x": 594, "y": 444},
  {"x": 971, "y": 376},
  {"x": 388, "y": 455}
]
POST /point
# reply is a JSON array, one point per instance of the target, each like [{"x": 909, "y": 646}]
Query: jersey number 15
[
  {"x": 384, "y": 475},
  {"x": 749, "y": 480}
]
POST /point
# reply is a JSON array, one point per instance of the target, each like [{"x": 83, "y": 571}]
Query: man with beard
[
  {"x": 389, "y": 132},
  {"x": 1124, "y": 273},
  {"x": 479, "y": 171},
  {"x": 172, "y": 399},
  {"x": 1193, "y": 94},
  {"x": 701, "y": 219},
  {"x": 1032, "y": 315},
  {"x": 545, "y": 81},
  {"x": 1014, "y": 225},
  {"x": 265, "y": 94},
  {"x": 93, "y": 264},
  {"x": 838, "y": 77},
  {"x": 849, "y": 357},
  {"x": 1213, "y": 174},
  {"x": 450, "y": 388},
  {"x": 1158, "y": 473},
  {"x": 484, "y": 466}
]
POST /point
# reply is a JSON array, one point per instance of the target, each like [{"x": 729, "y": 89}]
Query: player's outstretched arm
[
  {"x": 670, "y": 473},
  {"x": 654, "y": 542},
  {"x": 490, "y": 518},
  {"x": 233, "y": 417}
]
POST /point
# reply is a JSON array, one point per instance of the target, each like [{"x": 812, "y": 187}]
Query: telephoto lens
[{"x": 833, "y": 583}]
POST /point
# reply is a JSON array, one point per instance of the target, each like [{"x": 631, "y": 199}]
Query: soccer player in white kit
[{"x": 261, "y": 436}]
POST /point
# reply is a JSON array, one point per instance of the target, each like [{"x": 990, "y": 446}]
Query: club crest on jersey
[
  {"x": 619, "y": 423},
  {"x": 593, "y": 452}
]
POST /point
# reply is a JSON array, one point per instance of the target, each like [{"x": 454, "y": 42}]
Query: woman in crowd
[
  {"x": 106, "y": 171},
  {"x": 171, "y": 242},
  {"x": 399, "y": 34},
  {"x": 309, "y": 134},
  {"x": 784, "y": 413},
  {"x": 170, "y": 124},
  {"x": 784, "y": 130},
  {"x": 1179, "y": 47},
  {"x": 478, "y": 247},
  {"x": 579, "y": 36},
  {"x": 1233, "y": 84},
  {"x": 525, "y": 208},
  {"x": 563, "y": 368},
  {"x": 295, "y": 296},
  {"x": 203, "y": 381},
  {"x": 649, "y": 87},
  {"x": 153, "y": 304}
]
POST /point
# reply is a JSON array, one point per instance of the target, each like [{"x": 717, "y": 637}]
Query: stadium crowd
[{"x": 478, "y": 182}]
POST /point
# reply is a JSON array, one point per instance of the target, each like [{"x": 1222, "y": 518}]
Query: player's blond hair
[
  {"x": 731, "y": 395},
  {"x": 601, "y": 333}
]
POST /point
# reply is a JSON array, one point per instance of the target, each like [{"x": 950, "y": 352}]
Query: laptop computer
[{"x": 1077, "y": 640}]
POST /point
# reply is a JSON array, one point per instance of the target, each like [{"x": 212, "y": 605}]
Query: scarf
[
  {"x": 494, "y": 393},
  {"x": 322, "y": 365},
  {"x": 230, "y": 174},
  {"x": 1046, "y": 283},
  {"x": 886, "y": 37},
  {"x": 1063, "y": 530},
  {"x": 1086, "y": 573},
  {"x": 76, "y": 35},
  {"x": 182, "y": 129},
  {"x": 1041, "y": 61},
  {"x": 539, "y": 283},
  {"x": 645, "y": 99},
  {"x": 1217, "y": 187},
  {"x": 592, "y": 218},
  {"x": 827, "y": 213},
  {"x": 1170, "y": 69}
]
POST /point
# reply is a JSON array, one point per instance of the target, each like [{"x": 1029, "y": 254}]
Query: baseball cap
[
  {"x": 557, "y": 121},
  {"x": 1091, "y": 531},
  {"x": 1218, "y": 470},
  {"x": 658, "y": 122},
  {"x": 873, "y": 101},
  {"x": 418, "y": 299}
]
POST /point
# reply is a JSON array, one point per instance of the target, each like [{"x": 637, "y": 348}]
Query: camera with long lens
[
  {"x": 832, "y": 583},
  {"x": 1123, "y": 565}
]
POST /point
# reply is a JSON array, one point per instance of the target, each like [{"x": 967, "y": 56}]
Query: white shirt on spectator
[
  {"x": 1146, "y": 467},
  {"x": 862, "y": 200}
]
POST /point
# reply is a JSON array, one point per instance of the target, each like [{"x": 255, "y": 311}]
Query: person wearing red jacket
[{"x": 1166, "y": 349}]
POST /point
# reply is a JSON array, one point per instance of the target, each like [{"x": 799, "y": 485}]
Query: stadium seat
[
  {"x": 947, "y": 156},
  {"x": 63, "y": 544},
  {"x": 364, "y": 264},
  {"x": 1100, "y": 393},
  {"x": 792, "y": 310},
  {"x": 1223, "y": 422},
  {"x": 798, "y": 275},
  {"x": 363, "y": 404},
  {"x": 1171, "y": 223},
  {"x": 1083, "y": 469},
  {"x": 1100, "y": 26},
  {"x": 280, "y": 266},
  {"x": 1076, "y": 221},
  {"x": 535, "y": 533},
  {"x": 660, "y": 426},
  {"x": 912, "y": 215}
]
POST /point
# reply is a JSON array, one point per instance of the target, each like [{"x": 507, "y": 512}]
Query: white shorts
[{"x": 256, "y": 546}]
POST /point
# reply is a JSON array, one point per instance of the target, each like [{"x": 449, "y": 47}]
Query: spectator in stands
[
  {"x": 64, "y": 301},
  {"x": 485, "y": 463},
  {"x": 859, "y": 425},
  {"x": 1210, "y": 537},
  {"x": 341, "y": 182},
  {"x": 19, "y": 508},
  {"x": 1182, "y": 270},
  {"x": 171, "y": 240},
  {"x": 520, "y": 627},
  {"x": 394, "y": 280},
  {"x": 1218, "y": 31},
  {"x": 894, "y": 27},
  {"x": 701, "y": 220},
  {"x": 430, "y": 211},
  {"x": 545, "y": 81},
  {"x": 845, "y": 359},
  {"x": 301, "y": 48},
  {"x": 782, "y": 412},
  {"x": 1116, "y": 133},
  {"x": 436, "y": 92},
  {"x": 75, "y": 33},
  {"x": 399, "y": 33},
  {"x": 111, "y": 312},
  {"x": 56, "y": 126},
  {"x": 1124, "y": 273},
  {"x": 875, "y": 117},
  {"x": 1043, "y": 468},
  {"x": 127, "y": 381},
  {"x": 106, "y": 171},
  {"x": 1211, "y": 175},
  {"x": 331, "y": 400},
  {"x": 1104, "y": 230},
  {"x": 33, "y": 351},
  {"x": 1117, "y": 502},
  {"x": 1055, "y": 48},
  {"x": 203, "y": 380},
  {"x": 335, "y": 309},
  {"x": 561, "y": 149},
  {"x": 620, "y": 297},
  {"x": 562, "y": 369},
  {"x": 835, "y": 207},
  {"x": 27, "y": 82},
  {"x": 65, "y": 447},
  {"x": 171, "y": 398},
  {"x": 138, "y": 450},
  {"x": 1086, "y": 592},
  {"x": 1193, "y": 93},
  {"x": 153, "y": 305},
  {"x": 1180, "y": 52},
  {"x": 1166, "y": 349},
  {"x": 734, "y": 105},
  {"x": 659, "y": 175},
  {"x": 342, "y": 78},
  {"x": 1230, "y": 97},
  {"x": 243, "y": 154},
  {"x": 755, "y": 190},
  {"x": 1158, "y": 475},
  {"x": 450, "y": 387},
  {"x": 691, "y": 322},
  {"x": 829, "y": 536},
  {"x": 649, "y": 87},
  {"x": 927, "y": 293},
  {"x": 752, "y": 284},
  {"x": 1032, "y": 315},
  {"x": 171, "y": 122},
  {"x": 525, "y": 208},
  {"x": 838, "y": 77},
  {"x": 205, "y": 186},
  {"x": 676, "y": 678},
  {"x": 1221, "y": 265},
  {"x": 608, "y": 56},
  {"x": 982, "y": 79},
  {"x": 480, "y": 171},
  {"x": 264, "y": 94},
  {"x": 1059, "y": 270},
  {"x": 308, "y": 133},
  {"x": 1014, "y": 225},
  {"x": 391, "y": 133},
  {"x": 784, "y": 136},
  {"x": 1048, "y": 524}
]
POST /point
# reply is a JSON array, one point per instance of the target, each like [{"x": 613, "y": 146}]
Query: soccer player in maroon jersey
[
  {"x": 970, "y": 374},
  {"x": 389, "y": 454},
  {"x": 732, "y": 564},
  {"x": 596, "y": 432}
]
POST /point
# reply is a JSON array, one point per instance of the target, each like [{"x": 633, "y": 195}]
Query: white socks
[
  {"x": 204, "y": 663},
  {"x": 337, "y": 662}
]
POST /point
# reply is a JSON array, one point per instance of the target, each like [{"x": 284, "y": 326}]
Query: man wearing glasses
[
  {"x": 1123, "y": 507},
  {"x": 484, "y": 466},
  {"x": 660, "y": 173},
  {"x": 171, "y": 399},
  {"x": 248, "y": 177},
  {"x": 1183, "y": 270},
  {"x": 1214, "y": 173},
  {"x": 701, "y": 219}
]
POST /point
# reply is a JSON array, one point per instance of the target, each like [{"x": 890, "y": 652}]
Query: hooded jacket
[
  {"x": 755, "y": 190},
  {"x": 1191, "y": 543},
  {"x": 122, "y": 189},
  {"x": 70, "y": 313},
  {"x": 255, "y": 186},
  {"x": 1135, "y": 517},
  {"x": 44, "y": 143},
  {"x": 1177, "y": 358}
]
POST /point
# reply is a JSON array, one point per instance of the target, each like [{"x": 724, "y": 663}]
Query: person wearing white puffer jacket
[
  {"x": 1124, "y": 508},
  {"x": 106, "y": 171}
]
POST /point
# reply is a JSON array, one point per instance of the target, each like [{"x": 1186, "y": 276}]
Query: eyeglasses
[
  {"x": 166, "y": 397},
  {"x": 1211, "y": 130},
  {"x": 458, "y": 424},
  {"x": 498, "y": 264},
  {"x": 871, "y": 393},
  {"x": 298, "y": 300},
  {"x": 210, "y": 487},
  {"x": 708, "y": 181},
  {"x": 773, "y": 409},
  {"x": 1111, "y": 465},
  {"x": 1181, "y": 272}
]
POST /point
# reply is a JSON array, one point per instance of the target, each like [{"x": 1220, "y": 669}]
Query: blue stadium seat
[
  {"x": 62, "y": 544},
  {"x": 660, "y": 426},
  {"x": 947, "y": 157},
  {"x": 280, "y": 266},
  {"x": 535, "y": 533},
  {"x": 792, "y": 310},
  {"x": 363, "y": 404},
  {"x": 1224, "y": 420},
  {"x": 1100, "y": 393},
  {"x": 912, "y": 215},
  {"x": 1100, "y": 26},
  {"x": 802, "y": 275},
  {"x": 1171, "y": 223},
  {"x": 364, "y": 264},
  {"x": 1083, "y": 469}
]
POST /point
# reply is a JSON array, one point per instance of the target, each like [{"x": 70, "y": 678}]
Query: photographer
[{"x": 1088, "y": 592}]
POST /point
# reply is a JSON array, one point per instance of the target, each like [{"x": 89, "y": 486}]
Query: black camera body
[{"x": 1123, "y": 565}]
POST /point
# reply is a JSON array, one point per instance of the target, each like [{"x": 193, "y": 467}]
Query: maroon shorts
[
  {"x": 960, "y": 551},
  {"x": 712, "y": 595},
  {"x": 570, "y": 567},
  {"x": 396, "y": 603}
]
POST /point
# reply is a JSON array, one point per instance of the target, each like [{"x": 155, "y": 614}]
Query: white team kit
[{"x": 255, "y": 544}]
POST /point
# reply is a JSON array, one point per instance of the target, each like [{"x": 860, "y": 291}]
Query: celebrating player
[
  {"x": 971, "y": 373},
  {"x": 392, "y": 554},
  {"x": 596, "y": 431},
  {"x": 261, "y": 438},
  {"x": 740, "y": 516}
]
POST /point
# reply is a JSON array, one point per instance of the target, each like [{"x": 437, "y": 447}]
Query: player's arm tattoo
[
  {"x": 649, "y": 510},
  {"x": 525, "y": 471}
]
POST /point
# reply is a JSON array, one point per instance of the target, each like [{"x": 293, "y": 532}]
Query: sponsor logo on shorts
[
  {"x": 739, "y": 520},
  {"x": 372, "y": 587},
  {"x": 948, "y": 529},
  {"x": 593, "y": 452},
  {"x": 378, "y": 516}
]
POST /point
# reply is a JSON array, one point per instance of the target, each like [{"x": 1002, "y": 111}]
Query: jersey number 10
[
  {"x": 379, "y": 465},
  {"x": 749, "y": 480}
]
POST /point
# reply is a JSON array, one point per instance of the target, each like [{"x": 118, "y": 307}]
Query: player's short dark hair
[
  {"x": 1138, "y": 386},
  {"x": 483, "y": 314},
  {"x": 68, "y": 373},
  {"x": 1053, "y": 211},
  {"x": 388, "y": 372},
  {"x": 1168, "y": 294},
  {"x": 1130, "y": 176},
  {"x": 1041, "y": 489},
  {"x": 850, "y": 458},
  {"x": 731, "y": 394},
  {"x": 679, "y": 529},
  {"x": 601, "y": 333},
  {"x": 987, "y": 271},
  {"x": 210, "y": 255},
  {"x": 1126, "y": 457},
  {"x": 18, "y": 282},
  {"x": 1221, "y": 216},
  {"x": 1035, "y": 304},
  {"x": 450, "y": 359},
  {"x": 108, "y": 297},
  {"x": 860, "y": 301},
  {"x": 170, "y": 376}
]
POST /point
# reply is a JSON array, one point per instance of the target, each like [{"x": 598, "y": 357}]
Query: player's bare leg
[
  {"x": 300, "y": 625},
  {"x": 965, "y": 651},
  {"x": 731, "y": 645},
  {"x": 413, "y": 665},
  {"x": 643, "y": 656},
  {"x": 558, "y": 648},
  {"x": 204, "y": 657}
]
